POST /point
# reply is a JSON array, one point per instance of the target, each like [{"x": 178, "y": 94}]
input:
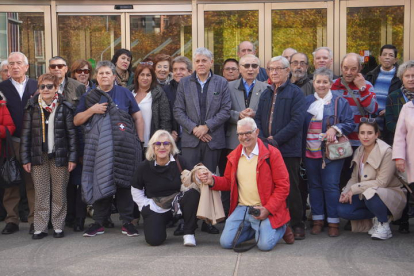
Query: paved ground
[{"x": 115, "y": 254}]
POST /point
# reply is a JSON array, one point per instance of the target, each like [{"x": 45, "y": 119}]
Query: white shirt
[
  {"x": 171, "y": 160},
  {"x": 146, "y": 110},
  {"x": 20, "y": 87},
  {"x": 255, "y": 151}
]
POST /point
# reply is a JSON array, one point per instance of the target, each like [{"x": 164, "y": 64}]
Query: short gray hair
[
  {"x": 404, "y": 67},
  {"x": 299, "y": 53},
  {"x": 150, "y": 154},
  {"x": 249, "y": 56},
  {"x": 238, "y": 46},
  {"x": 330, "y": 53},
  {"x": 185, "y": 60},
  {"x": 284, "y": 60},
  {"x": 247, "y": 121},
  {"x": 323, "y": 72},
  {"x": 203, "y": 52},
  {"x": 4, "y": 62},
  {"x": 58, "y": 58},
  {"x": 105, "y": 63},
  {"x": 25, "y": 60},
  {"x": 360, "y": 61}
]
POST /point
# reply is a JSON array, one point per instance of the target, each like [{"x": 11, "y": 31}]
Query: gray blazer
[
  {"x": 237, "y": 105},
  {"x": 187, "y": 110}
]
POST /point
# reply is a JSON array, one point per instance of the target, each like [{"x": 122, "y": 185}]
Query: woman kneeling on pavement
[
  {"x": 48, "y": 151},
  {"x": 157, "y": 180},
  {"x": 373, "y": 191}
]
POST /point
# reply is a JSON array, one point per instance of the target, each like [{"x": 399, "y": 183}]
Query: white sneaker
[
  {"x": 382, "y": 232},
  {"x": 374, "y": 227},
  {"x": 189, "y": 240}
]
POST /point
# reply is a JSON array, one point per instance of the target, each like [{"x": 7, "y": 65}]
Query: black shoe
[
  {"x": 58, "y": 235},
  {"x": 93, "y": 230},
  {"x": 206, "y": 227},
  {"x": 180, "y": 229},
  {"x": 31, "y": 229},
  {"x": 348, "y": 226},
  {"x": 404, "y": 227},
  {"x": 23, "y": 217},
  {"x": 39, "y": 236},
  {"x": 108, "y": 223},
  {"x": 10, "y": 228},
  {"x": 79, "y": 225}
]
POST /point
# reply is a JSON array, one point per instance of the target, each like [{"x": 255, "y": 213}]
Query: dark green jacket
[{"x": 395, "y": 102}]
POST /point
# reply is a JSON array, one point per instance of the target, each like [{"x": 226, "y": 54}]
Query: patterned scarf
[
  {"x": 122, "y": 80},
  {"x": 49, "y": 108},
  {"x": 408, "y": 94}
]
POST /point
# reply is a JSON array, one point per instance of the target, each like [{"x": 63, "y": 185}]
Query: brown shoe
[
  {"x": 299, "y": 233},
  {"x": 288, "y": 237},
  {"x": 317, "y": 227},
  {"x": 333, "y": 230}
]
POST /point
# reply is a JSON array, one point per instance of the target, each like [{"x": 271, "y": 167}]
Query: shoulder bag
[{"x": 10, "y": 168}]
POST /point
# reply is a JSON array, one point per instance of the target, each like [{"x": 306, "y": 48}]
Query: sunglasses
[
  {"x": 367, "y": 120},
  {"x": 248, "y": 65},
  {"x": 48, "y": 86},
  {"x": 60, "y": 66},
  {"x": 80, "y": 71},
  {"x": 158, "y": 144}
]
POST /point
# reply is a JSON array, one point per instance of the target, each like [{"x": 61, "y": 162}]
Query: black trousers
[
  {"x": 294, "y": 199},
  {"x": 124, "y": 203},
  {"x": 202, "y": 153},
  {"x": 225, "y": 195},
  {"x": 155, "y": 224},
  {"x": 76, "y": 207}
]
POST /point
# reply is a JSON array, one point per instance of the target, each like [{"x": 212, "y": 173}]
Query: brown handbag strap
[{"x": 178, "y": 164}]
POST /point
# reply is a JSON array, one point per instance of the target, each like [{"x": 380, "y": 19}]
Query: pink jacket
[{"x": 403, "y": 147}]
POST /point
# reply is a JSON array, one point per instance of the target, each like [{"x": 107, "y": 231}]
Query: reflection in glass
[
  {"x": 24, "y": 32},
  {"x": 303, "y": 30},
  {"x": 224, "y": 30},
  {"x": 369, "y": 28},
  {"x": 166, "y": 34},
  {"x": 90, "y": 37}
]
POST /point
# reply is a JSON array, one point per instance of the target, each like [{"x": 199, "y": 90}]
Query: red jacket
[
  {"x": 273, "y": 184},
  {"x": 5, "y": 120}
]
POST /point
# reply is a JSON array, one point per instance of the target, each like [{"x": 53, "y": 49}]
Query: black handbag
[{"x": 10, "y": 168}]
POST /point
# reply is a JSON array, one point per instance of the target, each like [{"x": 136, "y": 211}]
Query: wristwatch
[{"x": 362, "y": 88}]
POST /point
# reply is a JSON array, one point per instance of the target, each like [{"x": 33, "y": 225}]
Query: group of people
[{"x": 123, "y": 137}]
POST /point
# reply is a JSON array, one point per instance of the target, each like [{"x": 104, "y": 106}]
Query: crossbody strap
[
  {"x": 178, "y": 164},
  {"x": 361, "y": 110},
  {"x": 240, "y": 249}
]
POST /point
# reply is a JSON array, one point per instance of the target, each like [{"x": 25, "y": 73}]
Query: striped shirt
[{"x": 313, "y": 144}]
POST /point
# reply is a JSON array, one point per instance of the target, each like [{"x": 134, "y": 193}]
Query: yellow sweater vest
[{"x": 246, "y": 178}]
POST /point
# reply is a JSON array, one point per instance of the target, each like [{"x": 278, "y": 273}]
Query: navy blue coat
[{"x": 288, "y": 117}]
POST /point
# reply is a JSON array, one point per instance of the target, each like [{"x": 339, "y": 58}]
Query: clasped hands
[
  {"x": 346, "y": 197},
  {"x": 248, "y": 112},
  {"x": 201, "y": 133}
]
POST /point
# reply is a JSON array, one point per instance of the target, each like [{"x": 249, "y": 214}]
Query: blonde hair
[{"x": 150, "y": 154}]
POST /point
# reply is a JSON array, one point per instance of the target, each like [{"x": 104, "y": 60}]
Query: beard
[{"x": 298, "y": 74}]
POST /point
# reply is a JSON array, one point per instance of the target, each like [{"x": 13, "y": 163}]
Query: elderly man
[
  {"x": 299, "y": 73},
  {"x": 257, "y": 180},
  {"x": 4, "y": 70},
  {"x": 231, "y": 69},
  {"x": 246, "y": 47},
  {"x": 95, "y": 103},
  {"x": 280, "y": 116},
  {"x": 288, "y": 53},
  {"x": 18, "y": 89},
  {"x": 323, "y": 57},
  {"x": 202, "y": 107}
]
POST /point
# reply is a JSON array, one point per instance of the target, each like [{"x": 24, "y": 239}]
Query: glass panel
[
  {"x": 24, "y": 32},
  {"x": 224, "y": 30},
  {"x": 90, "y": 37},
  {"x": 167, "y": 34},
  {"x": 369, "y": 28},
  {"x": 303, "y": 30}
]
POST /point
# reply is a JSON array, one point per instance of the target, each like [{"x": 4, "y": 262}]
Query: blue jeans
[
  {"x": 324, "y": 188},
  {"x": 364, "y": 209},
  {"x": 268, "y": 236}
]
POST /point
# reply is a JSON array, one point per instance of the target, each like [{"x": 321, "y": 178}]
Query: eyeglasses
[
  {"x": 158, "y": 144},
  {"x": 60, "y": 66},
  {"x": 275, "y": 69},
  {"x": 367, "y": 120},
  {"x": 248, "y": 65},
  {"x": 85, "y": 71},
  {"x": 247, "y": 133},
  {"x": 150, "y": 63},
  {"x": 231, "y": 69},
  {"x": 48, "y": 86},
  {"x": 296, "y": 63}
]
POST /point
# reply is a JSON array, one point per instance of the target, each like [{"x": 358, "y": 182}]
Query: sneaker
[
  {"x": 189, "y": 240},
  {"x": 129, "y": 230},
  {"x": 374, "y": 227},
  {"x": 93, "y": 230},
  {"x": 382, "y": 232}
]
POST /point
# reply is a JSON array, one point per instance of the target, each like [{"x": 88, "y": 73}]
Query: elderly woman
[
  {"x": 81, "y": 71},
  {"x": 159, "y": 177},
  {"x": 321, "y": 124},
  {"x": 122, "y": 61},
  {"x": 373, "y": 190},
  {"x": 48, "y": 151},
  {"x": 152, "y": 101},
  {"x": 162, "y": 66}
]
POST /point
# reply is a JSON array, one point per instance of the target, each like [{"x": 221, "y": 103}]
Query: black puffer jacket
[{"x": 65, "y": 134}]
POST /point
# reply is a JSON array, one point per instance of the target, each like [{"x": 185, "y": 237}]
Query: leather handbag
[
  {"x": 10, "y": 168},
  {"x": 341, "y": 148}
]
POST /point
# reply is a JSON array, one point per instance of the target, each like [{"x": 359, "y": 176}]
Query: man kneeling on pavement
[{"x": 256, "y": 176}]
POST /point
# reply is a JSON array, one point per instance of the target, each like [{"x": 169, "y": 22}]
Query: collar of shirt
[
  {"x": 255, "y": 151},
  {"x": 247, "y": 87},
  {"x": 171, "y": 160},
  {"x": 62, "y": 86},
  {"x": 19, "y": 83},
  {"x": 202, "y": 83}
]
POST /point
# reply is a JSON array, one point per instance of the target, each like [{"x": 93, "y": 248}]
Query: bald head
[
  {"x": 350, "y": 66},
  {"x": 246, "y": 47},
  {"x": 288, "y": 52}
]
